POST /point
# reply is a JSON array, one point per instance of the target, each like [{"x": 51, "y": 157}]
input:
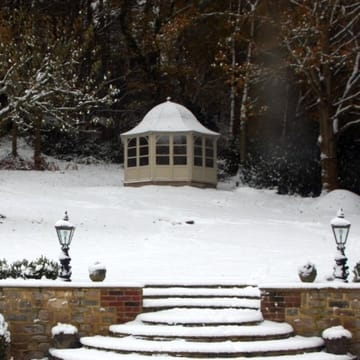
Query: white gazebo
[{"x": 170, "y": 146}]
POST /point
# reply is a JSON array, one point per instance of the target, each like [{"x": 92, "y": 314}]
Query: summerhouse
[{"x": 170, "y": 146}]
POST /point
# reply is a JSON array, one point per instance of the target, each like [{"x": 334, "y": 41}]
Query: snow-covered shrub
[
  {"x": 97, "y": 271},
  {"x": 24, "y": 269},
  {"x": 356, "y": 272},
  {"x": 51, "y": 270},
  {"x": 228, "y": 163},
  {"x": 307, "y": 272},
  {"x": 4, "y": 338},
  {"x": 17, "y": 268},
  {"x": 10, "y": 162},
  {"x": 65, "y": 336},
  {"x": 4, "y": 269},
  {"x": 337, "y": 339},
  {"x": 42, "y": 267}
]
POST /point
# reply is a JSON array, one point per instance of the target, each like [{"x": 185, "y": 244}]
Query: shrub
[
  {"x": 36, "y": 269},
  {"x": 42, "y": 267},
  {"x": 4, "y": 269},
  {"x": 17, "y": 268},
  {"x": 356, "y": 272},
  {"x": 4, "y": 338}
]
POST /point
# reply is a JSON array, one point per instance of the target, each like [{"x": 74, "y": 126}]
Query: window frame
[
  {"x": 209, "y": 152},
  {"x": 131, "y": 159},
  {"x": 162, "y": 157},
  {"x": 179, "y": 149},
  {"x": 138, "y": 152},
  {"x": 144, "y": 151},
  {"x": 198, "y": 157}
]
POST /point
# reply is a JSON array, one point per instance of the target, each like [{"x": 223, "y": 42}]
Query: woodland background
[{"x": 279, "y": 79}]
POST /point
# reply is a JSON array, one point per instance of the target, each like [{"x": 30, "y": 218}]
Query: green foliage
[
  {"x": 23, "y": 269},
  {"x": 229, "y": 157},
  {"x": 4, "y": 269},
  {"x": 356, "y": 272},
  {"x": 17, "y": 268},
  {"x": 82, "y": 147},
  {"x": 42, "y": 267}
]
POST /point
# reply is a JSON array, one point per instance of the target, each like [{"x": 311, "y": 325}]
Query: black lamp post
[
  {"x": 341, "y": 228},
  {"x": 65, "y": 231}
]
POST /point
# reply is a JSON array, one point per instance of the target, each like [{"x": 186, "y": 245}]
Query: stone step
[
  {"x": 250, "y": 292},
  {"x": 200, "y": 321},
  {"x": 264, "y": 331},
  {"x": 130, "y": 344},
  {"x": 204, "y": 284},
  {"x": 93, "y": 354},
  {"x": 189, "y": 302},
  {"x": 202, "y": 316}
]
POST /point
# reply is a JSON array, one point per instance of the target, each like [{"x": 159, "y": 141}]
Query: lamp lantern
[
  {"x": 65, "y": 232},
  {"x": 341, "y": 228}
]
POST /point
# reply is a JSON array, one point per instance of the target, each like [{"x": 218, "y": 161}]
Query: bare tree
[
  {"x": 322, "y": 42},
  {"x": 44, "y": 87}
]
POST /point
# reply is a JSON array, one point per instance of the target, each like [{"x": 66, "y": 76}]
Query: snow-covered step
[
  {"x": 93, "y": 354},
  {"x": 180, "y": 347},
  {"x": 205, "y": 321},
  {"x": 201, "y": 316},
  {"x": 216, "y": 291},
  {"x": 214, "y": 302},
  {"x": 264, "y": 330}
]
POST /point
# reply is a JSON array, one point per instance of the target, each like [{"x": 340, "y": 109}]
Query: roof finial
[{"x": 168, "y": 98}]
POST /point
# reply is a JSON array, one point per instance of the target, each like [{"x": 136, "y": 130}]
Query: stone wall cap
[
  {"x": 15, "y": 283},
  {"x": 314, "y": 285}
]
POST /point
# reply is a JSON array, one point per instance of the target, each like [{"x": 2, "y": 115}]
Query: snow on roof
[{"x": 169, "y": 117}]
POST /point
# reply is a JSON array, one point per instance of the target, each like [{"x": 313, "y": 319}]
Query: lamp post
[
  {"x": 65, "y": 231},
  {"x": 341, "y": 228}
]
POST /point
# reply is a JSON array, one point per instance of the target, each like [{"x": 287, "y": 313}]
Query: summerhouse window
[
  {"x": 198, "y": 151},
  {"x": 143, "y": 151},
  {"x": 209, "y": 152},
  {"x": 131, "y": 152},
  {"x": 179, "y": 149},
  {"x": 162, "y": 150}
]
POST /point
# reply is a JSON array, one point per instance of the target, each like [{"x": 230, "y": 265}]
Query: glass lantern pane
[
  {"x": 65, "y": 236},
  {"x": 341, "y": 234}
]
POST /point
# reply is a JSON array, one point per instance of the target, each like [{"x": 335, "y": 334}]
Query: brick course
[
  {"x": 312, "y": 310},
  {"x": 31, "y": 312}
]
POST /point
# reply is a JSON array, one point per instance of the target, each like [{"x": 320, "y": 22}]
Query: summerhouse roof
[{"x": 169, "y": 117}]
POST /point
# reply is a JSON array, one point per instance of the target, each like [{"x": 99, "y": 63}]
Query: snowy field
[{"x": 141, "y": 235}]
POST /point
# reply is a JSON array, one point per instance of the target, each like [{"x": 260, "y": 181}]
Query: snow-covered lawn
[{"x": 141, "y": 235}]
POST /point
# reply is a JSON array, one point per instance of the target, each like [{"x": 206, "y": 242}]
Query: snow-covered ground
[{"x": 141, "y": 235}]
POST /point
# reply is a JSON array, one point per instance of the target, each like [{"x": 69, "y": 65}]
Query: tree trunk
[
  {"x": 233, "y": 65},
  {"x": 245, "y": 94},
  {"x": 38, "y": 165},
  {"x": 232, "y": 94},
  {"x": 14, "y": 132},
  {"x": 328, "y": 158}
]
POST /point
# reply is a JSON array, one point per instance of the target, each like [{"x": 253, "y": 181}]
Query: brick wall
[
  {"x": 31, "y": 312},
  {"x": 311, "y": 310}
]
